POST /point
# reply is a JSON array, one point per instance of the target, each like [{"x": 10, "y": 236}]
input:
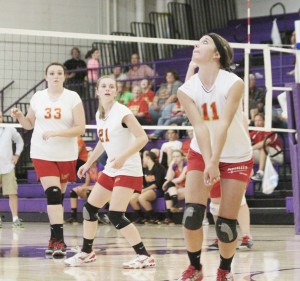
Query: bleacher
[{"x": 264, "y": 208}]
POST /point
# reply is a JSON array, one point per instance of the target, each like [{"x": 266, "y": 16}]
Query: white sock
[
  {"x": 15, "y": 218},
  {"x": 260, "y": 172}
]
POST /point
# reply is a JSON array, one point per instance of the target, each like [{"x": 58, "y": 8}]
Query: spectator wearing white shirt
[
  {"x": 8, "y": 160},
  {"x": 166, "y": 150}
]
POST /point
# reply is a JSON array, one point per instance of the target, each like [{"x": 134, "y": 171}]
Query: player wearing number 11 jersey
[{"x": 220, "y": 151}]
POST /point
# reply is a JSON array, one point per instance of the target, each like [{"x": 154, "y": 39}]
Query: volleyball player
[
  {"x": 122, "y": 137},
  {"x": 56, "y": 116},
  {"x": 220, "y": 150}
]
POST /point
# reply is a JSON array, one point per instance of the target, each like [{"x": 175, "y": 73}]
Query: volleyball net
[{"x": 24, "y": 55}]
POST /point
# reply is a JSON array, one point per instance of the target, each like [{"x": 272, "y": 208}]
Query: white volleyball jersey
[
  {"x": 210, "y": 103},
  {"x": 116, "y": 139},
  {"x": 52, "y": 116}
]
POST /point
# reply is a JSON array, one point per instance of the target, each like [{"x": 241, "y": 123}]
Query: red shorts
[
  {"x": 237, "y": 171},
  {"x": 135, "y": 183},
  {"x": 66, "y": 171}
]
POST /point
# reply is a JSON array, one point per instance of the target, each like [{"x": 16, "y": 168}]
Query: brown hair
[
  {"x": 225, "y": 51},
  {"x": 100, "y": 106},
  {"x": 55, "y": 63}
]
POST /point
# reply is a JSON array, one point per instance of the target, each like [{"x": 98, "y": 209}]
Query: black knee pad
[
  {"x": 53, "y": 194},
  {"x": 89, "y": 212},
  {"x": 88, "y": 192},
  {"x": 118, "y": 219},
  {"x": 193, "y": 216},
  {"x": 226, "y": 230},
  {"x": 73, "y": 194},
  {"x": 167, "y": 196}
]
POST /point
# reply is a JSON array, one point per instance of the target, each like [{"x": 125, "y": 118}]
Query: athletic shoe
[
  {"x": 59, "y": 249},
  {"x": 72, "y": 221},
  {"x": 153, "y": 221},
  {"x": 168, "y": 221},
  {"x": 140, "y": 221},
  {"x": 224, "y": 275},
  {"x": 176, "y": 209},
  {"x": 80, "y": 258},
  {"x": 49, "y": 251},
  {"x": 191, "y": 274},
  {"x": 17, "y": 224},
  {"x": 214, "y": 245},
  {"x": 140, "y": 261},
  {"x": 258, "y": 177},
  {"x": 247, "y": 242}
]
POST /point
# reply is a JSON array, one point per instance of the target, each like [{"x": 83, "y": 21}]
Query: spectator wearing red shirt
[
  {"x": 273, "y": 144},
  {"x": 147, "y": 93},
  {"x": 139, "y": 106}
]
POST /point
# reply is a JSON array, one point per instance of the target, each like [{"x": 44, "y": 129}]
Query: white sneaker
[
  {"x": 140, "y": 261},
  {"x": 80, "y": 258}
]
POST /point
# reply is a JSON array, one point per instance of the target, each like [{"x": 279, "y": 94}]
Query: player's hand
[
  {"x": 211, "y": 174},
  {"x": 49, "y": 134},
  {"x": 16, "y": 113},
  {"x": 82, "y": 171},
  {"x": 15, "y": 159},
  {"x": 117, "y": 162}
]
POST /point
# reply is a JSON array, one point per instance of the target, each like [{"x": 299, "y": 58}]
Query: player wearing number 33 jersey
[
  {"x": 116, "y": 138},
  {"x": 210, "y": 104},
  {"x": 53, "y": 115}
]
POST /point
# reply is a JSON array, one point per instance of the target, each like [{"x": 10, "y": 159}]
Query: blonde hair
[{"x": 100, "y": 106}]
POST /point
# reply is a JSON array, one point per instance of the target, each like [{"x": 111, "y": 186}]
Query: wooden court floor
[{"x": 275, "y": 255}]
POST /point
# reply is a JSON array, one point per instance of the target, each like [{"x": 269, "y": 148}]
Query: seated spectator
[
  {"x": 139, "y": 106},
  {"x": 173, "y": 114},
  {"x": 147, "y": 93},
  {"x": 273, "y": 143},
  {"x": 174, "y": 186},
  {"x": 123, "y": 96},
  {"x": 154, "y": 175},
  {"x": 82, "y": 191},
  {"x": 256, "y": 98},
  {"x": 166, "y": 95},
  {"x": 165, "y": 156},
  {"x": 186, "y": 143},
  {"x": 75, "y": 80},
  {"x": 117, "y": 74},
  {"x": 138, "y": 71}
]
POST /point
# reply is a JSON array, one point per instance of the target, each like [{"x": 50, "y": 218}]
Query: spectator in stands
[
  {"x": 147, "y": 93},
  {"x": 8, "y": 161},
  {"x": 75, "y": 80},
  {"x": 174, "y": 186},
  {"x": 165, "y": 156},
  {"x": 273, "y": 146},
  {"x": 256, "y": 98},
  {"x": 93, "y": 65},
  {"x": 138, "y": 71},
  {"x": 154, "y": 175},
  {"x": 243, "y": 218},
  {"x": 139, "y": 106},
  {"x": 56, "y": 116},
  {"x": 123, "y": 96},
  {"x": 165, "y": 96},
  {"x": 175, "y": 116},
  {"x": 82, "y": 191},
  {"x": 117, "y": 74}
]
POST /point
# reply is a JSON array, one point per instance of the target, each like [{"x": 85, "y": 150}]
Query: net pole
[{"x": 247, "y": 63}]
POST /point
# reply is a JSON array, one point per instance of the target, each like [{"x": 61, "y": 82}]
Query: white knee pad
[{"x": 214, "y": 208}]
